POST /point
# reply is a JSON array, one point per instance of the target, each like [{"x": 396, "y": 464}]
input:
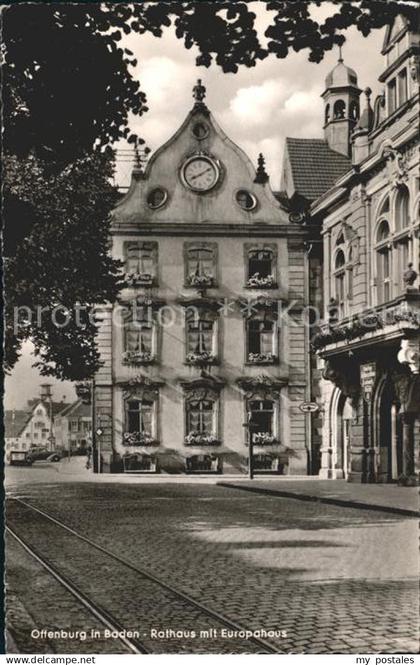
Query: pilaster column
[
  {"x": 327, "y": 271},
  {"x": 407, "y": 477}
]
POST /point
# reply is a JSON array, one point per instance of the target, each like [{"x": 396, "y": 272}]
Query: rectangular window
[
  {"x": 200, "y": 336},
  {"x": 392, "y": 96},
  {"x": 140, "y": 259},
  {"x": 201, "y": 266},
  {"x": 260, "y": 336},
  {"x": 402, "y": 87},
  {"x": 260, "y": 263},
  {"x": 200, "y": 417},
  {"x": 139, "y": 416},
  {"x": 86, "y": 426},
  {"x": 139, "y": 337},
  {"x": 384, "y": 276},
  {"x": 403, "y": 249},
  {"x": 340, "y": 292},
  {"x": 261, "y": 416}
]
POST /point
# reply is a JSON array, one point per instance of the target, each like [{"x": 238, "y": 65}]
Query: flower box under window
[
  {"x": 139, "y": 439},
  {"x": 201, "y": 439},
  {"x": 138, "y": 357},
  {"x": 133, "y": 279},
  {"x": 200, "y": 280},
  {"x": 203, "y": 358},
  {"x": 261, "y": 358},
  {"x": 264, "y": 438},
  {"x": 258, "y": 281}
]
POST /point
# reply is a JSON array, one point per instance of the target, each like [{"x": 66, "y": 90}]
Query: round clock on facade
[{"x": 200, "y": 173}]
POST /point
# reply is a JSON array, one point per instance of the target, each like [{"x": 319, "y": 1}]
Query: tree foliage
[
  {"x": 68, "y": 90},
  {"x": 62, "y": 264}
]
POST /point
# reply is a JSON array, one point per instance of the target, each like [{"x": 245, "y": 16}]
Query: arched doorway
[
  {"x": 388, "y": 433},
  {"x": 341, "y": 430}
]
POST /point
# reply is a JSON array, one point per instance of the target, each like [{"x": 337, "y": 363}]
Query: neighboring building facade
[
  {"x": 197, "y": 354},
  {"x": 73, "y": 427},
  {"x": 369, "y": 342},
  {"x": 32, "y": 427}
]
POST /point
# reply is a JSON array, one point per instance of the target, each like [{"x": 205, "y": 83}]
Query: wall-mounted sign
[
  {"x": 367, "y": 378},
  {"x": 309, "y": 407}
]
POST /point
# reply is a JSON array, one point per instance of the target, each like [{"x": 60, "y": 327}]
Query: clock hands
[{"x": 193, "y": 177}]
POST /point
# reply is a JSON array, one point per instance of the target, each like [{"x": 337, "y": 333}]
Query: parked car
[{"x": 37, "y": 453}]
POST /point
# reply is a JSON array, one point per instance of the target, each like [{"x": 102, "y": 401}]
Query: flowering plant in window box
[
  {"x": 258, "y": 282},
  {"x": 137, "y": 357},
  {"x": 264, "y": 438},
  {"x": 138, "y": 439},
  {"x": 200, "y": 280},
  {"x": 261, "y": 358},
  {"x": 201, "y": 438},
  {"x": 138, "y": 279},
  {"x": 202, "y": 358}
]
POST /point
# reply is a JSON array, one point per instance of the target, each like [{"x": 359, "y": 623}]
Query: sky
[{"x": 257, "y": 107}]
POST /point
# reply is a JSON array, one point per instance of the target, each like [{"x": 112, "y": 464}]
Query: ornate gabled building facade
[
  {"x": 206, "y": 346},
  {"x": 368, "y": 343}
]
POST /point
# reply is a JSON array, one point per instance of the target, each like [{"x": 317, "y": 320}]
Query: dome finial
[{"x": 340, "y": 54}]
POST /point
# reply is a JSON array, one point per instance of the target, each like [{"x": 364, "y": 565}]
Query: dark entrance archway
[{"x": 389, "y": 433}]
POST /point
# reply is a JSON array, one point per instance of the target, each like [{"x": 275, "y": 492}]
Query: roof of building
[
  {"x": 15, "y": 421},
  {"x": 315, "y": 167},
  {"x": 341, "y": 76},
  {"x": 77, "y": 408}
]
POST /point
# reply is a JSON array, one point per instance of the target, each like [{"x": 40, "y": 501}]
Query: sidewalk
[{"x": 387, "y": 498}]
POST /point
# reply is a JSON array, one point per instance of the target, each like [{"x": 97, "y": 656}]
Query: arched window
[
  {"x": 383, "y": 231},
  {"x": 339, "y": 281},
  {"x": 402, "y": 208},
  {"x": 383, "y": 263},
  {"x": 384, "y": 207},
  {"x": 354, "y": 111},
  {"x": 350, "y": 274},
  {"x": 327, "y": 114},
  {"x": 339, "y": 109},
  {"x": 403, "y": 242}
]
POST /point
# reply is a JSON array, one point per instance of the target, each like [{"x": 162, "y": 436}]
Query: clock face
[{"x": 200, "y": 173}]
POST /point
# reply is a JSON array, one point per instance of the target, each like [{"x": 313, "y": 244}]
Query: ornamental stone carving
[
  {"x": 344, "y": 375},
  {"x": 396, "y": 164},
  {"x": 402, "y": 381},
  {"x": 409, "y": 354}
]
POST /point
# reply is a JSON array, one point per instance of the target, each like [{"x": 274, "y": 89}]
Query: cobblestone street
[{"x": 334, "y": 579}]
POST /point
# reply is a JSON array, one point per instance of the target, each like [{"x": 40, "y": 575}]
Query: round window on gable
[
  {"x": 200, "y": 130},
  {"x": 246, "y": 200},
  {"x": 157, "y": 198}
]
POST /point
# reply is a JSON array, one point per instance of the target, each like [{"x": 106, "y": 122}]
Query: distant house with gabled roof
[{"x": 32, "y": 426}]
